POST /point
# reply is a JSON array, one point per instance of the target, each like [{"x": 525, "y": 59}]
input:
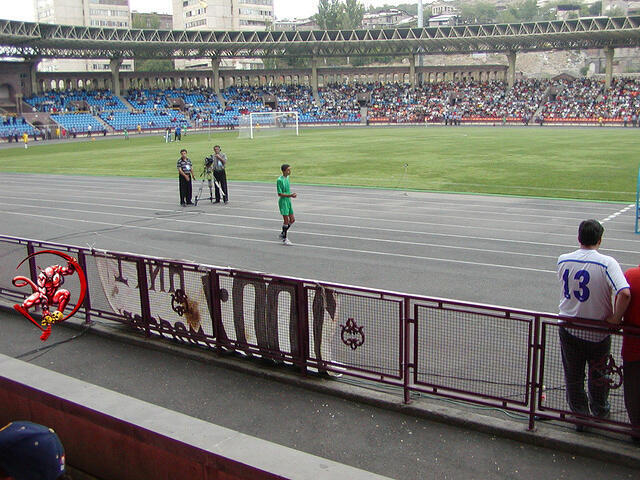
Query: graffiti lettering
[
  {"x": 273, "y": 293},
  {"x": 323, "y": 300},
  {"x": 272, "y": 313},
  {"x": 265, "y": 313},
  {"x": 156, "y": 272},
  {"x": 120, "y": 278},
  {"x": 259, "y": 311},
  {"x": 178, "y": 331}
]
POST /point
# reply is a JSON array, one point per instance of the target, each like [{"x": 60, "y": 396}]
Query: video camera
[{"x": 207, "y": 167}]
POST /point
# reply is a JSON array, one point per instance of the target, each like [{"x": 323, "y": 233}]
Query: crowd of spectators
[
  {"x": 8, "y": 120},
  {"x": 453, "y": 102},
  {"x": 588, "y": 98},
  {"x": 562, "y": 99},
  {"x": 70, "y": 101}
]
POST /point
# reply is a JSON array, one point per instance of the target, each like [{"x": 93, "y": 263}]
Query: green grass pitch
[{"x": 576, "y": 163}]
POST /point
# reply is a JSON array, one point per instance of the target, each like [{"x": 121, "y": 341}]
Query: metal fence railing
[{"x": 481, "y": 354}]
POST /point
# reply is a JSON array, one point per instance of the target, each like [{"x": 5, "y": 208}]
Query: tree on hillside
[
  {"x": 339, "y": 14},
  {"x": 352, "y": 14},
  {"x": 478, "y": 12},
  {"x": 139, "y": 20},
  {"x": 410, "y": 8},
  {"x": 329, "y": 14},
  {"x": 525, "y": 11}
]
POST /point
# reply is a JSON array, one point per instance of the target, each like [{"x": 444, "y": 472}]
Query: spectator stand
[
  {"x": 13, "y": 126},
  {"x": 78, "y": 122},
  {"x": 560, "y": 101},
  {"x": 74, "y": 110},
  {"x": 154, "y": 109}
]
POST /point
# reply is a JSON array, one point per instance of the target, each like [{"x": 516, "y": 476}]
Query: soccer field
[{"x": 577, "y": 163}]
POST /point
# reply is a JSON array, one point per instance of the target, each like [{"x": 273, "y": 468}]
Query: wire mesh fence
[
  {"x": 472, "y": 351},
  {"x": 483, "y": 354},
  {"x": 596, "y": 392},
  {"x": 358, "y": 331}
]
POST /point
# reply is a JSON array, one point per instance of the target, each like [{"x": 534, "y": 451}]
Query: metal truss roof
[{"x": 26, "y": 39}]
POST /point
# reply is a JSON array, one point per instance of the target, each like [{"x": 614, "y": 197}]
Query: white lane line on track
[
  {"x": 398, "y": 190},
  {"x": 619, "y": 212},
  {"x": 303, "y": 232},
  {"x": 396, "y": 220},
  {"x": 357, "y": 193},
  {"x": 325, "y": 224},
  {"x": 328, "y": 224},
  {"x": 322, "y": 247}
]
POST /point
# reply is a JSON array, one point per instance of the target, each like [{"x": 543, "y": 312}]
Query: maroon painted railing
[{"x": 482, "y": 354}]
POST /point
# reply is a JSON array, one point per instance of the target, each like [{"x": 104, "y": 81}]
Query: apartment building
[
  {"x": 391, "y": 17},
  {"x": 89, "y": 13},
  {"x": 251, "y": 15}
]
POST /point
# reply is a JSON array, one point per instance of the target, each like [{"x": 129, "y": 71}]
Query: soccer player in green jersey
[{"x": 284, "y": 202}]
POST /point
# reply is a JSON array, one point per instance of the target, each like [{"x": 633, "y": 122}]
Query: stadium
[{"x": 432, "y": 205}]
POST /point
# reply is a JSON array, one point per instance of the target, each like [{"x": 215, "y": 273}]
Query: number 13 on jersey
[{"x": 582, "y": 278}]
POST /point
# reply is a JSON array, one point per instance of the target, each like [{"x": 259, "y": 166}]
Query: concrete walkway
[{"x": 335, "y": 419}]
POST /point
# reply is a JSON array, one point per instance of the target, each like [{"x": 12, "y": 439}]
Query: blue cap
[{"x": 29, "y": 451}]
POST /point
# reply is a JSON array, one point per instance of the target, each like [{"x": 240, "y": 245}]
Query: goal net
[{"x": 256, "y": 124}]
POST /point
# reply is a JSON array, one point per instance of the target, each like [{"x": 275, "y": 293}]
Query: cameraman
[
  {"x": 185, "y": 176},
  {"x": 219, "y": 173}
]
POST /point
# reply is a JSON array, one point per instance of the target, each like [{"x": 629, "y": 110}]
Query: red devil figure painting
[{"x": 47, "y": 293}]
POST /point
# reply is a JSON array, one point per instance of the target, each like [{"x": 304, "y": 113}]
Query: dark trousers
[
  {"x": 576, "y": 355},
  {"x": 221, "y": 178},
  {"x": 185, "y": 190},
  {"x": 632, "y": 393}
]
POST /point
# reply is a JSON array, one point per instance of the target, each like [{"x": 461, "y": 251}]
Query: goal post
[{"x": 268, "y": 123}]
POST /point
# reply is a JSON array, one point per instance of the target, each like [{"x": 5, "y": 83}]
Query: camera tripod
[{"x": 207, "y": 175}]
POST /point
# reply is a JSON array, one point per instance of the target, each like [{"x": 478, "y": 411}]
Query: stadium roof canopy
[{"x": 27, "y": 39}]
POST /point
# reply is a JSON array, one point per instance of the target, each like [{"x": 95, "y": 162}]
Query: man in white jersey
[{"x": 589, "y": 280}]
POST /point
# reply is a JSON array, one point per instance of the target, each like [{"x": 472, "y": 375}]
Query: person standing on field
[{"x": 284, "y": 202}]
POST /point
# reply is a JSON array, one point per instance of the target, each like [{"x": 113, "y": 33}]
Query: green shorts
[{"x": 284, "y": 203}]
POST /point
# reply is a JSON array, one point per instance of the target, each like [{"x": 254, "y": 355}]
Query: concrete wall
[
  {"x": 112, "y": 436},
  {"x": 15, "y": 81}
]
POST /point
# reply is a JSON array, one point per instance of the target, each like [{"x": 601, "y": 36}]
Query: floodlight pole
[{"x": 420, "y": 25}]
